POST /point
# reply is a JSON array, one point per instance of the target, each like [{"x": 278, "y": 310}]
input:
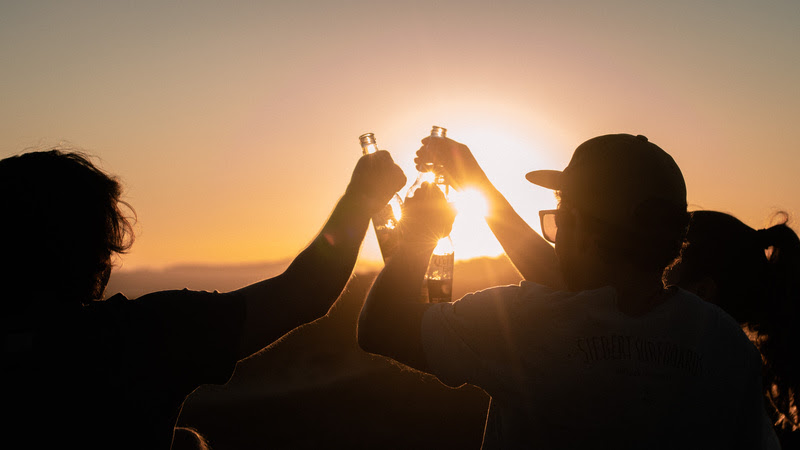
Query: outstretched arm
[
  {"x": 391, "y": 318},
  {"x": 533, "y": 257},
  {"x": 316, "y": 277}
]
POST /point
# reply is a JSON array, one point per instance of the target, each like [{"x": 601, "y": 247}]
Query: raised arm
[
  {"x": 316, "y": 277},
  {"x": 533, "y": 256},
  {"x": 391, "y": 318}
]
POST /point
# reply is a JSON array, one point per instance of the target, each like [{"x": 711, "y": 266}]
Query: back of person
[
  {"x": 589, "y": 374},
  {"x": 57, "y": 386},
  {"x": 114, "y": 374},
  {"x": 754, "y": 275}
]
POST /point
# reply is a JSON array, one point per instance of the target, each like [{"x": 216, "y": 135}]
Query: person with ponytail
[{"x": 754, "y": 275}]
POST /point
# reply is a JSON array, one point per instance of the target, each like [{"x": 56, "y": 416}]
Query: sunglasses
[{"x": 549, "y": 223}]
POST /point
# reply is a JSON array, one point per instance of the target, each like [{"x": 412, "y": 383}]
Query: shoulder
[
  {"x": 164, "y": 300},
  {"x": 173, "y": 308},
  {"x": 711, "y": 325},
  {"x": 180, "y": 295},
  {"x": 483, "y": 304},
  {"x": 474, "y": 310},
  {"x": 532, "y": 294},
  {"x": 502, "y": 305},
  {"x": 191, "y": 335},
  {"x": 703, "y": 313}
]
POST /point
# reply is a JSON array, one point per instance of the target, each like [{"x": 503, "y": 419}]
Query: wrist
[
  {"x": 359, "y": 202},
  {"x": 417, "y": 243}
]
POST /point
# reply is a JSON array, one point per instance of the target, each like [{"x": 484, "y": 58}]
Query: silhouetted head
[
  {"x": 735, "y": 266},
  {"x": 623, "y": 201},
  {"x": 61, "y": 226}
]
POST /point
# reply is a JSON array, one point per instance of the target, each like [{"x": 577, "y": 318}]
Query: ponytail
[
  {"x": 757, "y": 278},
  {"x": 778, "y": 335}
]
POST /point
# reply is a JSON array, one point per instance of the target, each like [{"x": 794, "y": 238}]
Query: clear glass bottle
[
  {"x": 438, "y": 284},
  {"x": 384, "y": 221},
  {"x": 428, "y": 174}
]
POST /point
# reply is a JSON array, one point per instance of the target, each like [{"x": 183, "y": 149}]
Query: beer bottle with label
[
  {"x": 438, "y": 283},
  {"x": 440, "y": 267},
  {"x": 385, "y": 220}
]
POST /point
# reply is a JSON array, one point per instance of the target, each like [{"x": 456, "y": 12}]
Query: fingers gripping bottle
[
  {"x": 385, "y": 220},
  {"x": 437, "y": 286}
]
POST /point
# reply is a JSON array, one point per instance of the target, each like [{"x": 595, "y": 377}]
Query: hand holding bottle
[
  {"x": 460, "y": 166},
  {"x": 376, "y": 178},
  {"x": 427, "y": 217}
]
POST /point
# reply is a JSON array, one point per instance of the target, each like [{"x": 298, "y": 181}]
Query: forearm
[
  {"x": 325, "y": 266},
  {"x": 534, "y": 257},
  {"x": 313, "y": 281},
  {"x": 391, "y": 318}
]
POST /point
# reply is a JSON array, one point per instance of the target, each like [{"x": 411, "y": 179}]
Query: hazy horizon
[{"x": 223, "y": 277}]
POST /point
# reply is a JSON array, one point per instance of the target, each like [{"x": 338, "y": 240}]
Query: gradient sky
[{"x": 234, "y": 127}]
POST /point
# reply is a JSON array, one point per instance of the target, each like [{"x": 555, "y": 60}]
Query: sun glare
[
  {"x": 505, "y": 152},
  {"x": 470, "y": 203},
  {"x": 471, "y": 236},
  {"x": 507, "y": 141}
]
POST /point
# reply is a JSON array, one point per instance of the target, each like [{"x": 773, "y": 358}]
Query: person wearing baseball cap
[
  {"x": 631, "y": 195},
  {"x": 592, "y": 350}
]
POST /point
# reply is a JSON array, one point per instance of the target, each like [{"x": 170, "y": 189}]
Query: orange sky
[{"x": 235, "y": 128}]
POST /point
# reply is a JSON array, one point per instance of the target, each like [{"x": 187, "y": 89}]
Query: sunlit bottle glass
[
  {"x": 438, "y": 284},
  {"x": 384, "y": 221},
  {"x": 427, "y": 173},
  {"x": 440, "y": 267}
]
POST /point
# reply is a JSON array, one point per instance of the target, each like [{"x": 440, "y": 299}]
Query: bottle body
[
  {"x": 384, "y": 221},
  {"x": 439, "y": 278},
  {"x": 385, "y": 224},
  {"x": 437, "y": 286}
]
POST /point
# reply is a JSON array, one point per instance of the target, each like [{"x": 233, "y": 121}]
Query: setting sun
[
  {"x": 471, "y": 236},
  {"x": 470, "y": 203},
  {"x": 510, "y": 140}
]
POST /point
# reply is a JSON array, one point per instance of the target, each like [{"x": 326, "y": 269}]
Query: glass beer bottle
[
  {"x": 385, "y": 220},
  {"x": 440, "y": 267},
  {"x": 438, "y": 283}
]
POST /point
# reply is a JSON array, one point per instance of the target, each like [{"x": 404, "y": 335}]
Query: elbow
[
  {"x": 367, "y": 336},
  {"x": 364, "y": 343},
  {"x": 318, "y": 288}
]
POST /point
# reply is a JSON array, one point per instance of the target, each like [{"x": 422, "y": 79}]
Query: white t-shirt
[{"x": 569, "y": 370}]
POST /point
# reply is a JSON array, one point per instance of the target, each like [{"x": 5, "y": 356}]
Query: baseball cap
[{"x": 609, "y": 177}]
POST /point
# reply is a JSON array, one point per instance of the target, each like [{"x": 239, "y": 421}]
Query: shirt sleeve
[{"x": 470, "y": 340}]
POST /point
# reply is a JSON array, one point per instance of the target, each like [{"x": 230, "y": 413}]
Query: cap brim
[{"x": 550, "y": 179}]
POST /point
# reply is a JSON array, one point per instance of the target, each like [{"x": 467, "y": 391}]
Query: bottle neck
[
  {"x": 368, "y": 143},
  {"x": 369, "y": 148},
  {"x": 441, "y": 183}
]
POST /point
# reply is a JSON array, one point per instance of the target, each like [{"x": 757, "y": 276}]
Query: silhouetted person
[
  {"x": 603, "y": 357},
  {"x": 115, "y": 373},
  {"x": 755, "y": 276}
]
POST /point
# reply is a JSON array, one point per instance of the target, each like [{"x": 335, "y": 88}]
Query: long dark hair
[
  {"x": 63, "y": 222},
  {"x": 756, "y": 274}
]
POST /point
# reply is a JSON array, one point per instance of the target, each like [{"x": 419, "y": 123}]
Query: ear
[{"x": 585, "y": 240}]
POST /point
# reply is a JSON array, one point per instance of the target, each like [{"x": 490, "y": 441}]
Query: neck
[{"x": 638, "y": 293}]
